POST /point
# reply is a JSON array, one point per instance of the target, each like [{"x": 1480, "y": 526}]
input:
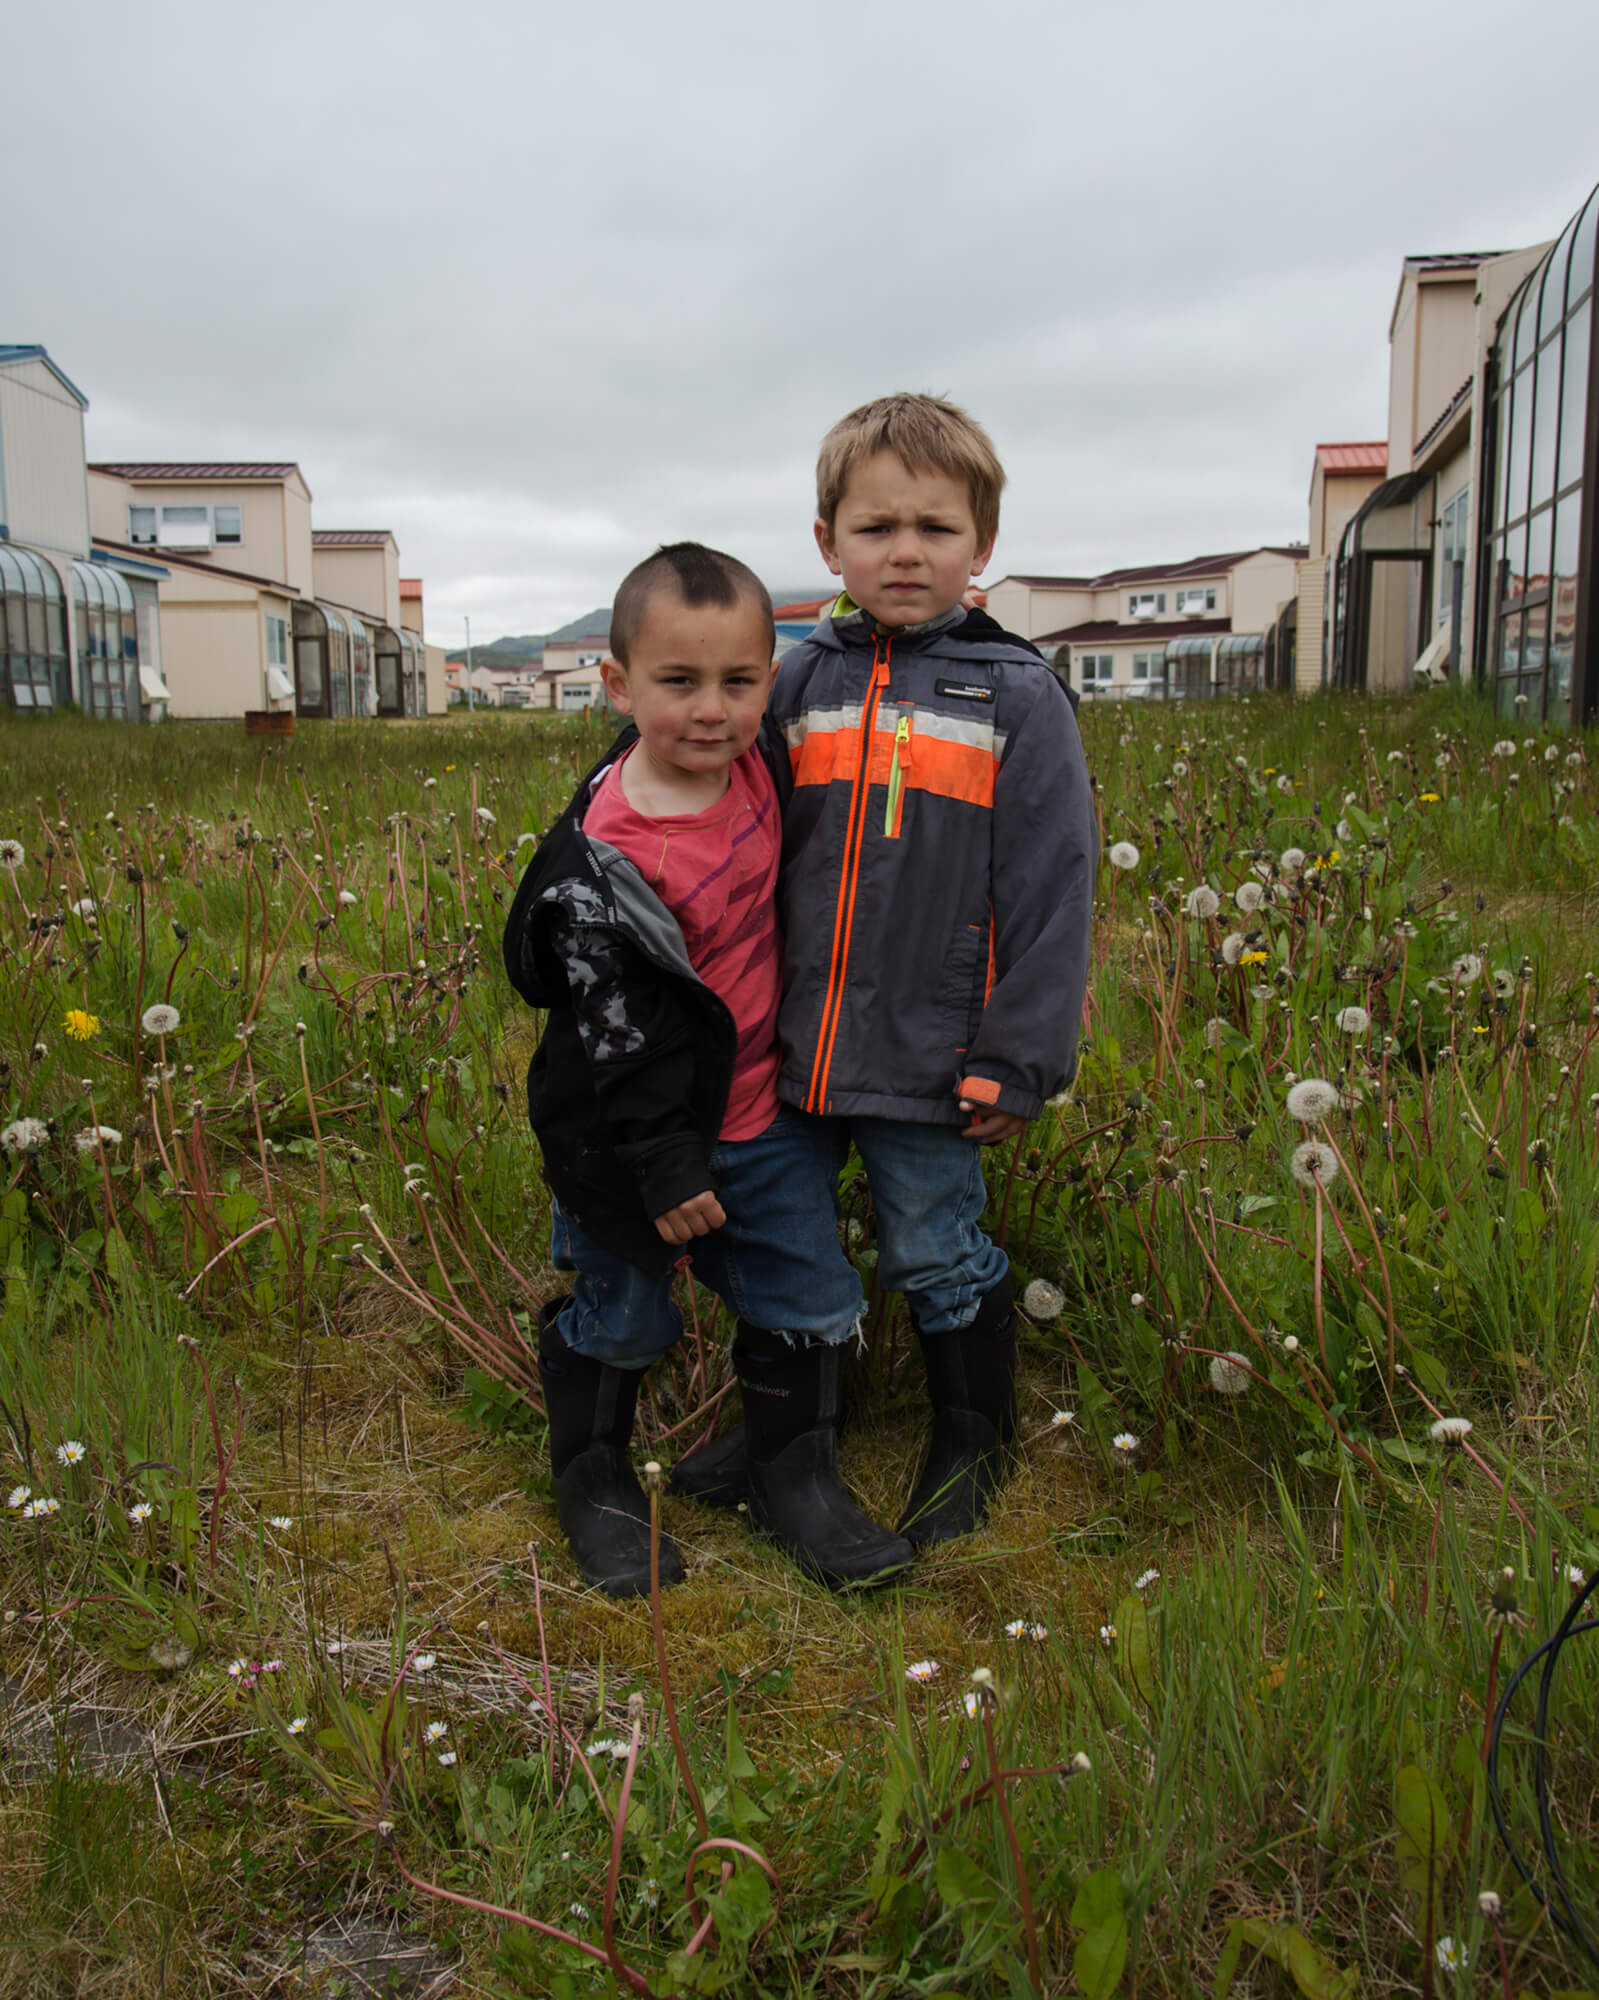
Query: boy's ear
[
  {"x": 981, "y": 556},
  {"x": 614, "y": 675},
  {"x": 824, "y": 541}
]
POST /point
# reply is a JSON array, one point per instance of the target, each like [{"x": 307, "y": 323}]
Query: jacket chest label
[{"x": 964, "y": 690}]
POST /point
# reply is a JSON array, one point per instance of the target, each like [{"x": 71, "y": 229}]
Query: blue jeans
[
  {"x": 777, "y": 1260},
  {"x": 928, "y": 1196}
]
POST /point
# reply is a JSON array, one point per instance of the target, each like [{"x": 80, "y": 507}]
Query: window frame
[{"x": 159, "y": 509}]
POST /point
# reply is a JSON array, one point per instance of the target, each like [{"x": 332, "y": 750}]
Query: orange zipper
[{"x": 844, "y": 916}]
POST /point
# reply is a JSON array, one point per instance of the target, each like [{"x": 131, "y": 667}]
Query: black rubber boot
[
  {"x": 717, "y": 1473},
  {"x": 791, "y": 1421},
  {"x": 602, "y": 1508},
  {"x": 971, "y": 1382}
]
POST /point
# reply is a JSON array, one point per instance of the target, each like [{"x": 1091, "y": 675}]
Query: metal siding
[{"x": 42, "y": 429}]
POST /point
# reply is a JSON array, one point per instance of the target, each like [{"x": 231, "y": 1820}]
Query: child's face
[
  {"x": 904, "y": 542},
  {"x": 697, "y": 683}
]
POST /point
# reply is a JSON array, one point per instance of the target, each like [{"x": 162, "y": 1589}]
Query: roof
[
  {"x": 802, "y": 607},
  {"x": 12, "y": 353},
  {"x": 1337, "y": 458},
  {"x": 1132, "y": 632},
  {"x": 1449, "y": 260},
  {"x": 1173, "y": 572},
  {"x": 195, "y": 469},
  {"x": 201, "y": 568},
  {"x": 351, "y": 538},
  {"x": 411, "y": 588}
]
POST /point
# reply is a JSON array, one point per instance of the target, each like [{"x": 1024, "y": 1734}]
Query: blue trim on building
[
  {"x": 13, "y": 352},
  {"x": 131, "y": 564}
]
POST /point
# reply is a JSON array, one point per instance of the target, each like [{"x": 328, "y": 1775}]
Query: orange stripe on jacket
[{"x": 948, "y": 770}]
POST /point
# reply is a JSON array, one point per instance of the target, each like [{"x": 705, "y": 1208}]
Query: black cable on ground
[{"x": 1560, "y": 1903}]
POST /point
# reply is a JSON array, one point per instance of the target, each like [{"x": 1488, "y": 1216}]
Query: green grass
[{"x": 287, "y": 1290}]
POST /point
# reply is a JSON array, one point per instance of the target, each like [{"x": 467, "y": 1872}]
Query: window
[
  {"x": 108, "y": 643},
  {"x": 33, "y": 632},
  {"x": 1098, "y": 671},
  {"x": 187, "y": 527},
  {"x": 576, "y": 694},
  {"x": 1451, "y": 545},
  {"x": 277, "y": 641},
  {"x": 1202, "y": 599},
  {"x": 1148, "y": 667},
  {"x": 1146, "y": 603}
]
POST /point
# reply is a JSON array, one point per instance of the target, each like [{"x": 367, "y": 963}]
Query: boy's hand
[
  {"x": 988, "y": 1126},
  {"x": 697, "y": 1216}
]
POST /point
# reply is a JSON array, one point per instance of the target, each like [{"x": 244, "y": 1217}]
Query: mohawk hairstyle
[
  {"x": 926, "y": 434},
  {"x": 694, "y": 575}
]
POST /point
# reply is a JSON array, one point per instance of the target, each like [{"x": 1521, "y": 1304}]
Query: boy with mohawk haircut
[{"x": 939, "y": 848}]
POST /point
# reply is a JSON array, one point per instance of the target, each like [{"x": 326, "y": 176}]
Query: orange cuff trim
[{"x": 979, "y": 1089}]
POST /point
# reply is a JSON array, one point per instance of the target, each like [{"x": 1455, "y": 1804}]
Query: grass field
[{"x": 295, "y": 1670}]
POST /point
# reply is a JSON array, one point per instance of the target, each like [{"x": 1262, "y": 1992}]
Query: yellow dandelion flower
[
  {"x": 80, "y": 1027},
  {"x": 1429, "y": 798},
  {"x": 1252, "y": 958}
]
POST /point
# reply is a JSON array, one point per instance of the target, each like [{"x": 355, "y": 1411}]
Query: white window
[
  {"x": 1148, "y": 667},
  {"x": 1097, "y": 670},
  {"x": 277, "y": 640},
  {"x": 1452, "y": 544},
  {"x": 589, "y": 659},
  {"x": 1146, "y": 604},
  {"x": 1202, "y": 599},
  {"x": 187, "y": 527},
  {"x": 576, "y": 694}
]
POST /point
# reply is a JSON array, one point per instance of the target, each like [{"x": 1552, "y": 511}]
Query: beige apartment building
[
  {"x": 1342, "y": 478},
  {"x": 261, "y": 610},
  {"x": 75, "y": 624},
  {"x": 1213, "y": 624}
]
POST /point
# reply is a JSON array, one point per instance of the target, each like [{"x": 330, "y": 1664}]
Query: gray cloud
[{"x": 538, "y": 287}]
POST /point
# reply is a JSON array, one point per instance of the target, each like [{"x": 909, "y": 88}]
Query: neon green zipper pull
[{"x": 896, "y": 776}]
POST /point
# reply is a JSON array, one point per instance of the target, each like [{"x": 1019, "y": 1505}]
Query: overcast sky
[{"x": 541, "y": 286}]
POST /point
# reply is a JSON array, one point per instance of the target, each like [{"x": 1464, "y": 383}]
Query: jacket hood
[{"x": 958, "y": 631}]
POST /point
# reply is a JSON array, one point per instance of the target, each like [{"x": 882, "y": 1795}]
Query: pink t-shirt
[{"x": 716, "y": 871}]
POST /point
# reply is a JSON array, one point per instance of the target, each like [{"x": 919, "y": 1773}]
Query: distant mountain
[{"x": 529, "y": 647}]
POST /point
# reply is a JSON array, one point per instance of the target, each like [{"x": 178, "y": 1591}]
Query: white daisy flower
[
  {"x": 1451, "y": 1957},
  {"x": 1125, "y": 1443},
  {"x": 1575, "y": 1575},
  {"x": 140, "y": 1512},
  {"x": 299, "y": 1725},
  {"x": 70, "y": 1452},
  {"x": 1061, "y": 1419},
  {"x": 1107, "y": 1635},
  {"x": 973, "y": 1702},
  {"x": 238, "y": 1667},
  {"x": 1230, "y": 1374},
  {"x": 19, "y": 1496},
  {"x": 1123, "y": 854},
  {"x": 160, "y": 1019},
  {"x": 650, "y": 1893},
  {"x": 922, "y": 1670},
  {"x": 435, "y": 1732},
  {"x": 1022, "y": 1628},
  {"x": 609, "y": 1746},
  {"x": 36, "y": 1510},
  {"x": 1143, "y": 1582},
  {"x": 424, "y": 1663}
]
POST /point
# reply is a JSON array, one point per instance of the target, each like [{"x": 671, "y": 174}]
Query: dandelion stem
[
  {"x": 1024, "y": 1888},
  {"x": 662, "y": 1667}
]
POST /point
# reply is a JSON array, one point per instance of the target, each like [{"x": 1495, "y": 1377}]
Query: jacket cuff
[
  {"x": 672, "y": 1173},
  {"x": 993, "y": 1095}
]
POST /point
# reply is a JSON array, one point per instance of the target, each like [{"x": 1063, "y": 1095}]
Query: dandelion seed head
[
  {"x": 1230, "y": 1374},
  {"x": 1202, "y": 902},
  {"x": 1352, "y": 1020},
  {"x": 1450, "y": 1432},
  {"x": 1312, "y": 1164},
  {"x": 1249, "y": 896},
  {"x": 12, "y": 854},
  {"x": 1311, "y": 1100},
  {"x": 348, "y": 898},
  {"x": 1489, "y": 1904},
  {"x": 1292, "y": 860},
  {"x": 160, "y": 1019},
  {"x": 25, "y": 1136},
  {"x": 92, "y": 1137},
  {"x": 1232, "y": 948},
  {"x": 1043, "y": 1301},
  {"x": 1123, "y": 854}
]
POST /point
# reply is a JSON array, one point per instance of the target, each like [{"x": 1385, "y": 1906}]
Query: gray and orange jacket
[{"x": 939, "y": 847}]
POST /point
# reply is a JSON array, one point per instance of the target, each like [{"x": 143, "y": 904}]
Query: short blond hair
[{"x": 926, "y": 434}]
